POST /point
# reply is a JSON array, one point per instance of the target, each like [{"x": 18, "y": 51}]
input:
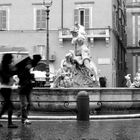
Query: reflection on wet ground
[{"x": 74, "y": 130}]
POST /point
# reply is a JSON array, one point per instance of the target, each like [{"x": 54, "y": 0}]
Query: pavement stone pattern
[{"x": 118, "y": 129}]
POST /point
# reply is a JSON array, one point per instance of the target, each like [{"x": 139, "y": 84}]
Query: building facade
[
  {"x": 23, "y": 24},
  {"x": 133, "y": 36}
]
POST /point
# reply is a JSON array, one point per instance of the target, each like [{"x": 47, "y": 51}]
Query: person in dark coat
[
  {"x": 25, "y": 87},
  {"x": 6, "y": 73},
  {"x": 102, "y": 81}
]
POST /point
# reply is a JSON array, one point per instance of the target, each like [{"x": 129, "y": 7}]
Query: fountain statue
[
  {"x": 77, "y": 69},
  {"x": 136, "y": 80}
]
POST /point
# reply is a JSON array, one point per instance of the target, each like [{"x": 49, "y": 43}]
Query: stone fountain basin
[{"x": 65, "y": 99}]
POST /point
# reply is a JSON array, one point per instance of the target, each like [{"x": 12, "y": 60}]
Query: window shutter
[
  {"x": 87, "y": 18},
  {"x": 43, "y": 24},
  {"x": 40, "y": 19},
  {"x": 2, "y": 19},
  {"x": 76, "y": 15}
]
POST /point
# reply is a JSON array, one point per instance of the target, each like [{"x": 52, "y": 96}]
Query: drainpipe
[{"x": 62, "y": 14}]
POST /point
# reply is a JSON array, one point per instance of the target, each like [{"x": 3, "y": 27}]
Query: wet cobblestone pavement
[{"x": 127, "y": 129}]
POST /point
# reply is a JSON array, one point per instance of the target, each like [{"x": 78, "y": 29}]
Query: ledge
[
  {"x": 64, "y": 99},
  {"x": 6, "y": 4}
]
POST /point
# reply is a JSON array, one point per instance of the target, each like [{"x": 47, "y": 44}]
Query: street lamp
[{"x": 47, "y": 4}]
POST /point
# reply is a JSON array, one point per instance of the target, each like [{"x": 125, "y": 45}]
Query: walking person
[
  {"x": 25, "y": 87},
  {"x": 6, "y": 73}
]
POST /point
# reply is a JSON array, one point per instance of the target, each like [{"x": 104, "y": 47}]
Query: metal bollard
[{"x": 83, "y": 106}]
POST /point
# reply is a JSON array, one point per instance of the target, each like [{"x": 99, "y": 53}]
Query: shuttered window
[
  {"x": 40, "y": 19},
  {"x": 3, "y": 21},
  {"x": 86, "y": 18},
  {"x": 81, "y": 16}
]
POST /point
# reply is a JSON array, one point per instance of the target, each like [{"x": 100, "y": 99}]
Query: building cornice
[
  {"x": 6, "y": 4},
  {"x": 37, "y": 3},
  {"x": 84, "y": 2},
  {"x": 133, "y": 5},
  {"x": 135, "y": 49}
]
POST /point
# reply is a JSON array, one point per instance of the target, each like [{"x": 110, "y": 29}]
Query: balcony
[
  {"x": 92, "y": 33},
  {"x": 64, "y": 34}
]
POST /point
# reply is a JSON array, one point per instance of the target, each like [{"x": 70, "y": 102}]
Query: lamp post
[{"x": 47, "y": 4}]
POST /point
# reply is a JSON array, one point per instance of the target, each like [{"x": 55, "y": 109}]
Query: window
[
  {"x": 40, "y": 19},
  {"x": 114, "y": 16},
  {"x": 81, "y": 16},
  {"x": 133, "y": 29},
  {"x": 39, "y": 49},
  {"x": 138, "y": 67},
  {"x": 136, "y": 28},
  {"x": 3, "y": 19}
]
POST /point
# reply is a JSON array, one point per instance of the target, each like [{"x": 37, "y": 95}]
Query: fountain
[{"x": 77, "y": 68}]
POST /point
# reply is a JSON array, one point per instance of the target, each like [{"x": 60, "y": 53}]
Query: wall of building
[
  {"x": 103, "y": 59},
  {"x": 133, "y": 51},
  {"x": 22, "y": 30},
  {"x": 99, "y": 12}
]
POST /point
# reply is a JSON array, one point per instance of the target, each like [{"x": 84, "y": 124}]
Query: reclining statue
[{"x": 83, "y": 72}]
